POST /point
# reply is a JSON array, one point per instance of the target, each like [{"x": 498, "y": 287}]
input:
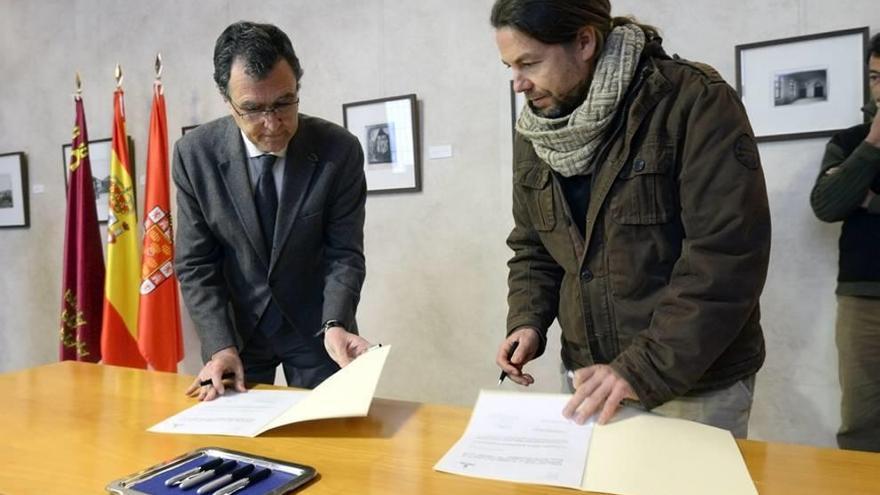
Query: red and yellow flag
[
  {"x": 82, "y": 283},
  {"x": 159, "y": 336},
  {"x": 119, "y": 335}
]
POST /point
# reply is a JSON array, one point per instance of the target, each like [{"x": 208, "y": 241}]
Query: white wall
[{"x": 436, "y": 282}]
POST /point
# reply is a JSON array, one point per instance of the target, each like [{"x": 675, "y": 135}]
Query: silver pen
[
  {"x": 206, "y": 475},
  {"x": 177, "y": 478},
  {"x": 240, "y": 484},
  {"x": 226, "y": 479}
]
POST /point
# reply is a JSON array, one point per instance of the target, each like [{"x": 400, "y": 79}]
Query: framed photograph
[
  {"x": 13, "y": 191},
  {"x": 388, "y": 129},
  {"x": 99, "y": 159},
  {"x": 517, "y": 101},
  {"x": 804, "y": 87}
]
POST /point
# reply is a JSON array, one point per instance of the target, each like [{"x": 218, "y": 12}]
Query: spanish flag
[
  {"x": 82, "y": 283},
  {"x": 159, "y": 336},
  {"x": 119, "y": 334}
]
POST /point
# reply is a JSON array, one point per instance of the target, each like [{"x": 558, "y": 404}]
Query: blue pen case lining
[{"x": 284, "y": 478}]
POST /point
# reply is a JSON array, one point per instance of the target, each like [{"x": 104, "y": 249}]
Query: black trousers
[{"x": 303, "y": 358}]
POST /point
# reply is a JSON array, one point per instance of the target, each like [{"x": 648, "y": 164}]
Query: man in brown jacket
[{"x": 641, "y": 218}]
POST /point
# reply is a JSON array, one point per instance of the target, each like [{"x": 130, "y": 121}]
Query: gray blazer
[{"x": 316, "y": 269}]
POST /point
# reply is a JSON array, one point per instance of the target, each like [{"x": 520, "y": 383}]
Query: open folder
[
  {"x": 523, "y": 437},
  {"x": 347, "y": 393}
]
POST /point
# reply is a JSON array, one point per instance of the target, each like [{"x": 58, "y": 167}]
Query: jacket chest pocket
[
  {"x": 643, "y": 193},
  {"x": 537, "y": 194}
]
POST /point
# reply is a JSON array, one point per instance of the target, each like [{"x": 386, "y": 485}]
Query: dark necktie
[{"x": 266, "y": 197}]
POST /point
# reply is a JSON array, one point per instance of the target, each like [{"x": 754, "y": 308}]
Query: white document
[
  {"x": 521, "y": 437},
  {"x": 347, "y": 393},
  {"x": 638, "y": 453}
]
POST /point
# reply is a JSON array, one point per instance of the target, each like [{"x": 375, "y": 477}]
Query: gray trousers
[
  {"x": 858, "y": 352},
  {"x": 728, "y": 408}
]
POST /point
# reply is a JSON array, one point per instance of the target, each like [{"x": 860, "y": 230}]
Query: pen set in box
[
  {"x": 215, "y": 471},
  {"x": 219, "y": 477}
]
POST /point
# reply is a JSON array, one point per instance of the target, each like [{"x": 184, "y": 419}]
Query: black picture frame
[
  {"x": 517, "y": 101},
  {"x": 388, "y": 130},
  {"x": 187, "y": 128},
  {"x": 803, "y": 87},
  {"x": 14, "y": 199},
  {"x": 99, "y": 160}
]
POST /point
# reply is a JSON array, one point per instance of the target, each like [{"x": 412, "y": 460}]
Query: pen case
[{"x": 285, "y": 476}]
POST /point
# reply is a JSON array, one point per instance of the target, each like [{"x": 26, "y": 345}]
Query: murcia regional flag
[
  {"x": 82, "y": 280},
  {"x": 159, "y": 336},
  {"x": 119, "y": 334}
]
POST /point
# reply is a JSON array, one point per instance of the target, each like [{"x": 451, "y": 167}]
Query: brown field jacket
[{"x": 665, "y": 283}]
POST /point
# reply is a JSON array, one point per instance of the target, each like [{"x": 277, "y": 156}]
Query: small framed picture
[
  {"x": 803, "y": 87},
  {"x": 187, "y": 128},
  {"x": 388, "y": 129},
  {"x": 99, "y": 160},
  {"x": 13, "y": 191}
]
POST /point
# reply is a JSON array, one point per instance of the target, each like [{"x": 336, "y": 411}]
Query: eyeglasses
[{"x": 281, "y": 109}]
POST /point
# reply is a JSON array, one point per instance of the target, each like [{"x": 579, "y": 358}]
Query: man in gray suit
[{"x": 271, "y": 214}]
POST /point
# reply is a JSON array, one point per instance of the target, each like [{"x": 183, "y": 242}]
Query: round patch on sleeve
[{"x": 746, "y": 151}]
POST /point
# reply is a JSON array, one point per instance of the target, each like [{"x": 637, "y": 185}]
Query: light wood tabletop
[{"x": 73, "y": 427}]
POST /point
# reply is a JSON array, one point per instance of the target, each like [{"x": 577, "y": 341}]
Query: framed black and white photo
[
  {"x": 803, "y": 87},
  {"x": 99, "y": 159},
  {"x": 13, "y": 191},
  {"x": 388, "y": 129}
]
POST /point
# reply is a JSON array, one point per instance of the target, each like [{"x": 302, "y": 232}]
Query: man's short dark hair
[
  {"x": 259, "y": 46},
  {"x": 873, "y": 48}
]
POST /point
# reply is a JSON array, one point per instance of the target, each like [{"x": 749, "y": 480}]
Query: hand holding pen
[
  {"x": 209, "y": 384},
  {"x": 518, "y": 348}
]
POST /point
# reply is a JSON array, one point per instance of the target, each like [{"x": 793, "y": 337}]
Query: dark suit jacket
[{"x": 316, "y": 269}]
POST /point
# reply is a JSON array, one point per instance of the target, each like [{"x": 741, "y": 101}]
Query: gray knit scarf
[{"x": 568, "y": 144}]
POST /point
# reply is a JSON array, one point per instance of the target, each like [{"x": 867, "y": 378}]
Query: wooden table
[{"x": 73, "y": 427}]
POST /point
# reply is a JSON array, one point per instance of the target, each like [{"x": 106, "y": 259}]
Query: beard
[{"x": 565, "y": 104}]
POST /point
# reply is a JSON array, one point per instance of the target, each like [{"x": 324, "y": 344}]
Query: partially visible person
[
  {"x": 271, "y": 213},
  {"x": 847, "y": 191},
  {"x": 640, "y": 214}
]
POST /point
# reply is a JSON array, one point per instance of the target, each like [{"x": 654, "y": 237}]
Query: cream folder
[
  {"x": 347, "y": 393},
  {"x": 522, "y": 437}
]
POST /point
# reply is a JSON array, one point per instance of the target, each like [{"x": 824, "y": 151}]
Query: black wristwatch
[{"x": 328, "y": 325}]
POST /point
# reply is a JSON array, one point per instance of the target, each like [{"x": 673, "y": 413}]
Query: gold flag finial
[
  {"x": 158, "y": 66},
  {"x": 119, "y": 76},
  {"x": 79, "y": 85}
]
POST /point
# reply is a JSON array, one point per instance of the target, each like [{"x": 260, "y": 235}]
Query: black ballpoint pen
[
  {"x": 206, "y": 475},
  {"x": 226, "y": 376},
  {"x": 177, "y": 478},
  {"x": 226, "y": 479},
  {"x": 240, "y": 484},
  {"x": 509, "y": 355}
]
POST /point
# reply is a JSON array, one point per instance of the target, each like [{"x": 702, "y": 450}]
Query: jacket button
[
  {"x": 639, "y": 165},
  {"x": 586, "y": 275}
]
